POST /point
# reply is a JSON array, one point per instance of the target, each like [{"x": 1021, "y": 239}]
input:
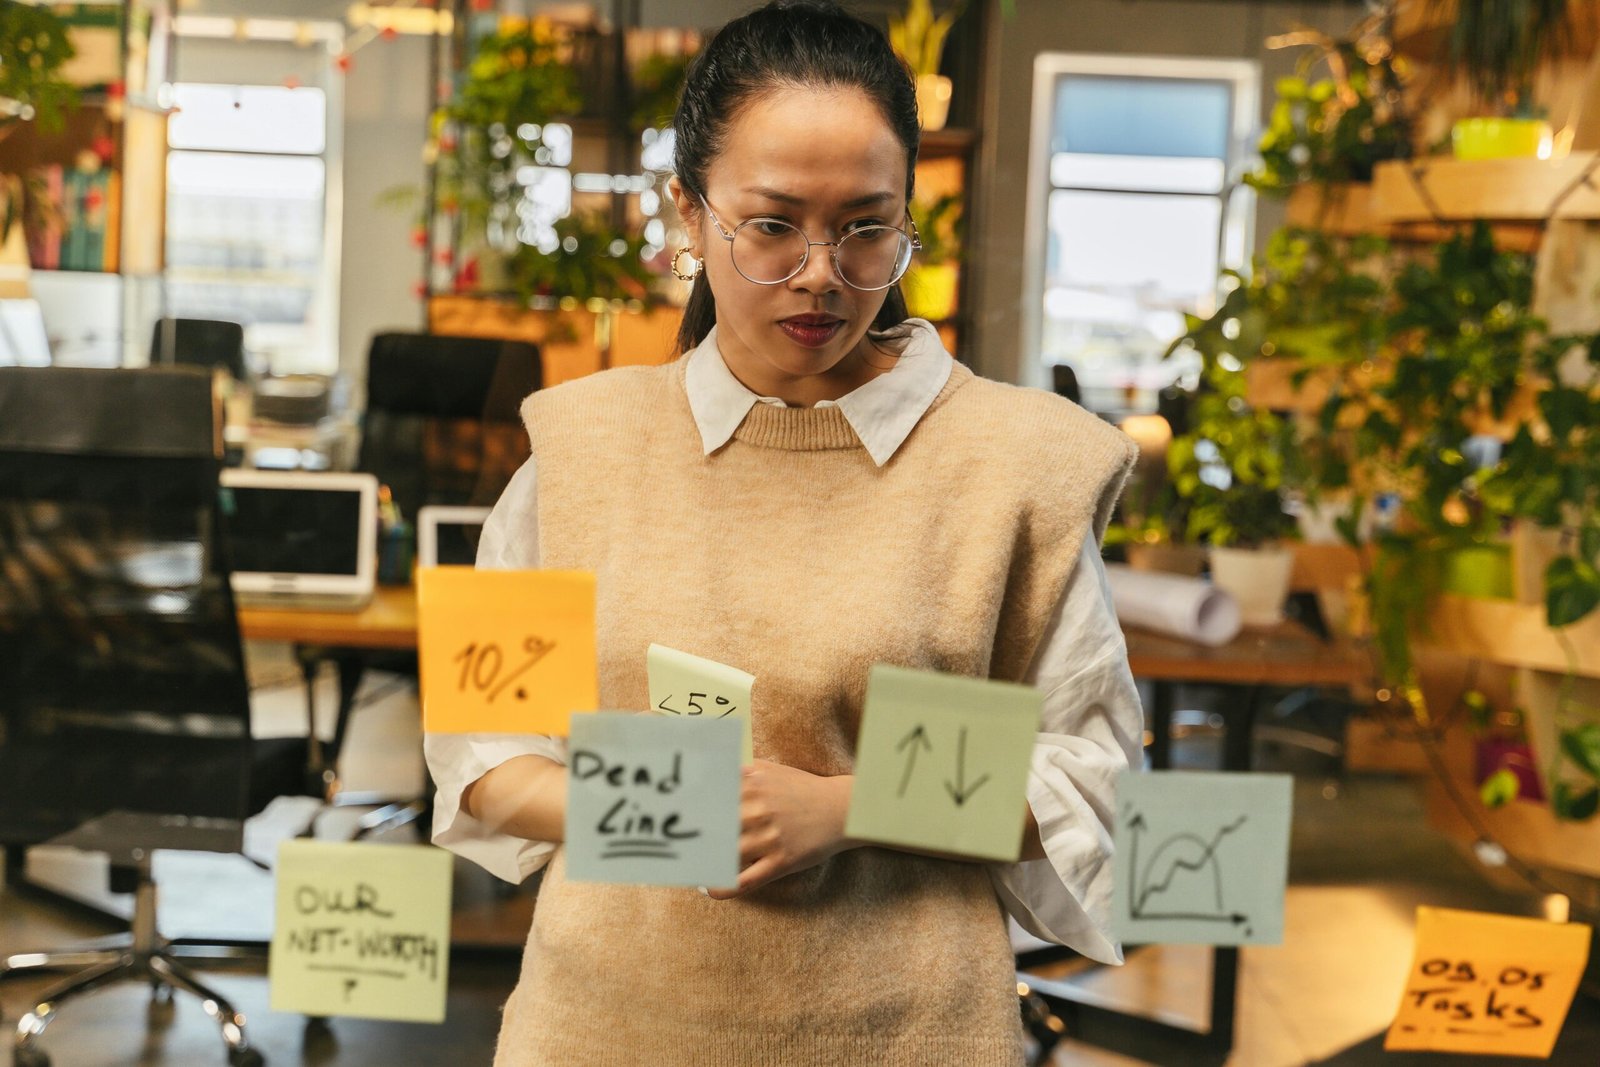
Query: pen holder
[{"x": 395, "y": 549}]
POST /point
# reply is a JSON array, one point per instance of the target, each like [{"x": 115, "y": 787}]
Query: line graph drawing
[{"x": 1176, "y": 855}]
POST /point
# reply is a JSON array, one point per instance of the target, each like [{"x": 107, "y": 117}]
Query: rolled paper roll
[{"x": 1190, "y": 608}]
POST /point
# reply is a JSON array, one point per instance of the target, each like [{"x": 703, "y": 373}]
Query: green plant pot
[
  {"x": 1491, "y": 138},
  {"x": 930, "y": 290},
  {"x": 1480, "y": 571}
]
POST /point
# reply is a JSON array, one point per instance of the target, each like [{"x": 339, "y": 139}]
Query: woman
[{"x": 813, "y": 488}]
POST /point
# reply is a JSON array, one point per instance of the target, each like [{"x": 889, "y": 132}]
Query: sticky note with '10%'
[{"x": 506, "y": 651}]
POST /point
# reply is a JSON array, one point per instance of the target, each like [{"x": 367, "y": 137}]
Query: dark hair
[{"x": 788, "y": 43}]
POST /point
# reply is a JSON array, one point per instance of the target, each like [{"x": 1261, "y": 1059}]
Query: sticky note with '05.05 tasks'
[
  {"x": 653, "y": 799},
  {"x": 693, "y": 687},
  {"x": 361, "y": 930},
  {"x": 942, "y": 763},
  {"x": 505, "y": 651},
  {"x": 1494, "y": 985}
]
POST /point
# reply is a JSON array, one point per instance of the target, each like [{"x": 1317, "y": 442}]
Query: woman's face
[{"x": 826, "y": 161}]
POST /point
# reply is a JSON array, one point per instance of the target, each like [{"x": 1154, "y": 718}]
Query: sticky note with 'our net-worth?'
[
  {"x": 693, "y": 687},
  {"x": 1495, "y": 985},
  {"x": 505, "y": 651},
  {"x": 653, "y": 799},
  {"x": 942, "y": 763},
  {"x": 361, "y": 930}
]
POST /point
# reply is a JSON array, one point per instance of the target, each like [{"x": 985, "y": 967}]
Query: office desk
[{"x": 388, "y": 622}]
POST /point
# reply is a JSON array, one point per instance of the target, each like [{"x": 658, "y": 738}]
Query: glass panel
[
  {"x": 1120, "y": 270},
  {"x": 252, "y": 118},
  {"x": 245, "y": 239},
  {"x": 1142, "y": 116},
  {"x": 1151, "y": 173}
]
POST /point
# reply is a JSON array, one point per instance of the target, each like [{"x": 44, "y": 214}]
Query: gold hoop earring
[{"x": 682, "y": 276}]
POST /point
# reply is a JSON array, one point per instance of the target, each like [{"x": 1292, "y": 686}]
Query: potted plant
[
  {"x": 1333, "y": 131},
  {"x": 918, "y": 36},
  {"x": 1498, "y": 47},
  {"x": 34, "y": 45},
  {"x": 931, "y": 281}
]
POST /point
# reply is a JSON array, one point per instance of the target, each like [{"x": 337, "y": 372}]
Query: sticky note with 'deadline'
[
  {"x": 361, "y": 930},
  {"x": 505, "y": 651},
  {"x": 942, "y": 763},
  {"x": 1488, "y": 984},
  {"x": 653, "y": 800},
  {"x": 694, "y": 687}
]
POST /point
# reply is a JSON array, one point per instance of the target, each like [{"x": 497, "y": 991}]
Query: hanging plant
[
  {"x": 34, "y": 45},
  {"x": 1498, "y": 45}
]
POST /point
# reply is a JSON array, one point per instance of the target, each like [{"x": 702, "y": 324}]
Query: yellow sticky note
[
  {"x": 1488, "y": 984},
  {"x": 695, "y": 687},
  {"x": 362, "y": 930},
  {"x": 505, "y": 651}
]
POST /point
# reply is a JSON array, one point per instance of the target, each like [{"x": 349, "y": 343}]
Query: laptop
[
  {"x": 301, "y": 539},
  {"x": 448, "y": 536}
]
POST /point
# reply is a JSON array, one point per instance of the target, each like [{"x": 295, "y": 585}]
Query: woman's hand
[{"x": 789, "y": 820}]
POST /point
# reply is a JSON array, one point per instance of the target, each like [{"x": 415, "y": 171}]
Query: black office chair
[
  {"x": 199, "y": 343},
  {"x": 441, "y": 425},
  {"x": 125, "y": 713}
]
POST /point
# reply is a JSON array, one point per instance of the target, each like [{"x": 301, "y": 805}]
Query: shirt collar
[{"x": 883, "y": 412}]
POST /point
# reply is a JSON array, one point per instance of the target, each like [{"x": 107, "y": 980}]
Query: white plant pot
[
  {"x": 1258, "y": 578},
  {"x": 933, "y": 100}
]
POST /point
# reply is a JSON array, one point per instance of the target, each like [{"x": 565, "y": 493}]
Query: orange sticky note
[
  {"x": 505, "y": 651},
  {"x": 1488, "y": 984}
]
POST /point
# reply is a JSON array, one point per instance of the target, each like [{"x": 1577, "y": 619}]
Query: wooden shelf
[
  {"x": 1503, "y": 190},
  {"x": 946, "y": 143},
  {"x": 1512, "y": 634},
  {"x": 1528, "y": 828}
]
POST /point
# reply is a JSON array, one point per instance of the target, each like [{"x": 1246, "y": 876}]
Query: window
[
  {"x": 1136, "y": 208},
  {"x": 248, "y": 231}
]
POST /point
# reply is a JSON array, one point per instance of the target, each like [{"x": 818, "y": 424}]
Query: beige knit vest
[{"x": 789, "y": 554}]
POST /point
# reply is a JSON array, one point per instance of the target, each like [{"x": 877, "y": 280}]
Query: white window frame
[
  {"x": 329, "y": 38},
  {"x": 1236, "y": 234}
]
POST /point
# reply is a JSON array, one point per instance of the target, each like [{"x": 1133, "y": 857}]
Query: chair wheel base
[{"x": 244, "y": 1057}]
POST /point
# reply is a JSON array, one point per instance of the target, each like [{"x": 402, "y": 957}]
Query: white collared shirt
[{"x": 1092, "y": 726}]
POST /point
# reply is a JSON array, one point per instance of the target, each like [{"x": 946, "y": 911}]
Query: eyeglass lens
[{"x": 871, "y": 257}]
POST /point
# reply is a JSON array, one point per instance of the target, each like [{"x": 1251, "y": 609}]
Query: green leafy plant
[
  {"x": 918, "y": 36},
  {"x": 1499, "y": 44},
  {"x": 594, "y": 263},
  {"x": 1338, "y": 128},
  {"x": 34, "y": 45},
  {"x": 941, "y": 226},
  {"x": 657, "y": 81}
]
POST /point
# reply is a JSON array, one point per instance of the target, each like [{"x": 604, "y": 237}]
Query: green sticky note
[
  {"x": 942, "y": 763},
  {"x": 695, "y": 687},
  {"x": 362, "y": 930},
  {"x": 1201, "y": 858},
  {"x": 653, "y": 800}
]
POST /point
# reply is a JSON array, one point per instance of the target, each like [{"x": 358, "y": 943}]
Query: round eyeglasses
[{"x": 770, "y": 251}]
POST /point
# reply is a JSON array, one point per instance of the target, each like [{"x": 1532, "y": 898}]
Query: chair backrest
[
  {"x": 123, "y": 676},
  {"x": 199, "y": 343},
  {"x": 442, "y": 423}
]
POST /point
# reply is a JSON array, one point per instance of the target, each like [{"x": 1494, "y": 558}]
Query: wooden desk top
[
  {"x": 1286, "y": 654},
  {"x": 389, "y": 621}
]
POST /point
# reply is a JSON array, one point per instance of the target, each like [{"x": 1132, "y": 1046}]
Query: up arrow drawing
[
  {"x": 959, "y": 792},
  {"x": 916, "y": 737}
]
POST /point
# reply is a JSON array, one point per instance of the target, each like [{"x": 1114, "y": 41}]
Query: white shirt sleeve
[
  {"x": 1092, "y": 728},
  {"x": 509, "y": 542}
]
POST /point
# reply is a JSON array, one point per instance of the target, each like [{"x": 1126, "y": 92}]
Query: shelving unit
[{"x": 129, "y": 122}]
